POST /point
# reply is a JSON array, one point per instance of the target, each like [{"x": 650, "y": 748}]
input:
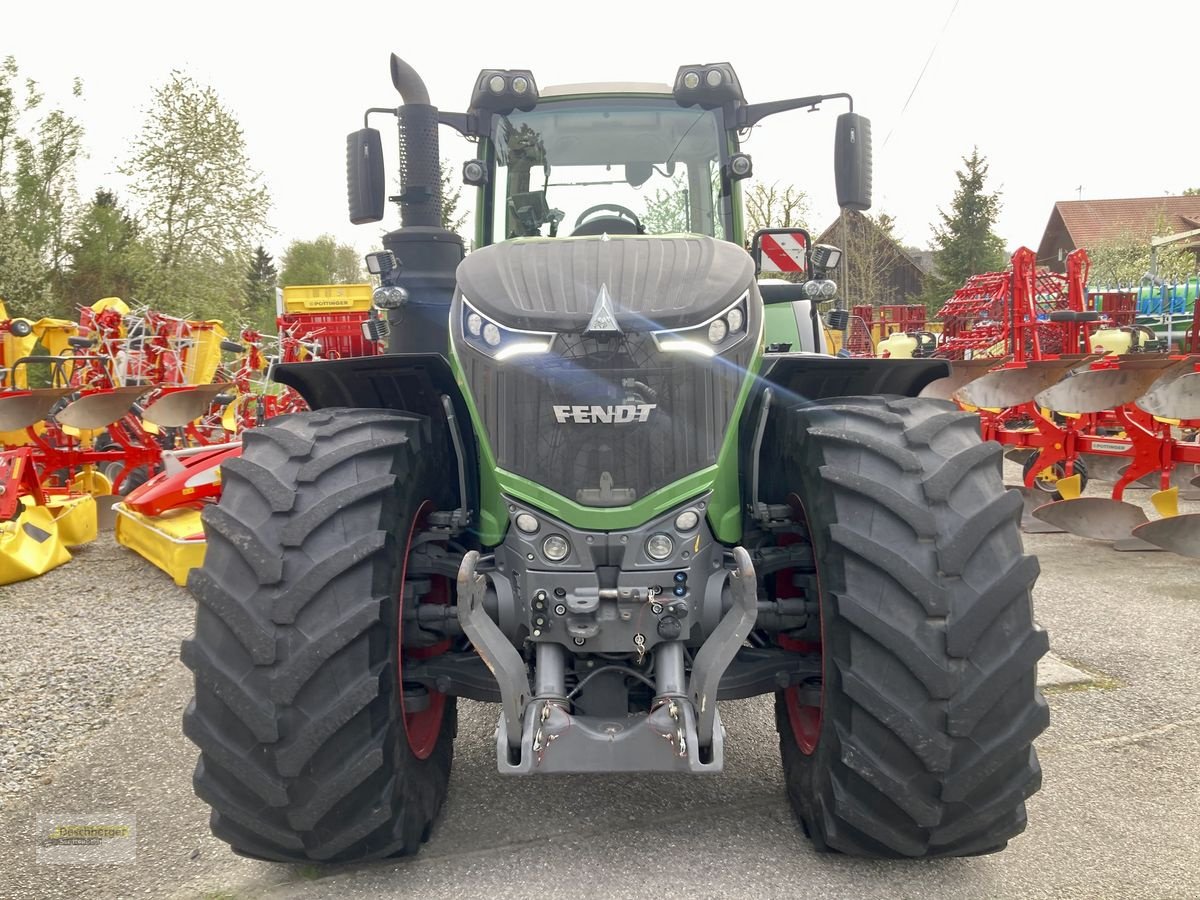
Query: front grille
[{"x": 574, "y": 451}]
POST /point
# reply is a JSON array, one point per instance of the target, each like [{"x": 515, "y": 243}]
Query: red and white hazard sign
[{"x": 782, "y": 252}]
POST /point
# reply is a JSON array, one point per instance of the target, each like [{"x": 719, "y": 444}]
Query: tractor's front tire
[
  {"x": 921, "y": 742},
  {"x": 307, "y": 752}
]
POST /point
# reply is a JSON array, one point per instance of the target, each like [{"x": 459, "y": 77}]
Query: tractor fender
[
  {"x": 410, "y": 382},
  {"x": 808, "y": 376},
  {"x": 413, "y": 382}
]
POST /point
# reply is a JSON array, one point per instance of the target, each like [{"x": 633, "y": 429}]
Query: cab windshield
[{"x": 608, "y": 166}]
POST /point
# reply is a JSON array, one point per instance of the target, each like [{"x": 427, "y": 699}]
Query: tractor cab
[
  {"x": 624, "y": 160},
  {"x": 608, "y": 160}
]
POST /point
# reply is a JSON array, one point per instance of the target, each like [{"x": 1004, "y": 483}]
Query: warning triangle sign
[{"x": 604, "y": 318}]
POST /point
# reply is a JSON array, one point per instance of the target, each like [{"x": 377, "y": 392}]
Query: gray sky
[{"x": 1056, "y": 93}]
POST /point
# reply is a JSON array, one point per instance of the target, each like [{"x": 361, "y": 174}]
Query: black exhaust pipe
[
  {"x": 420, "y": 165},
  {"x": 428, "y": 252}
]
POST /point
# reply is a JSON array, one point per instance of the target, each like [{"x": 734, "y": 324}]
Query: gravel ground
[
  {"x": 91, "y": 692},
  {"x": 76, "y": 647}
]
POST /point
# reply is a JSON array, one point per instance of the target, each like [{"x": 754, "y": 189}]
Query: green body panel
[
  {"x": 724, "y": 510},
  {"x": 779, "y": 321},
  {"x": 493, "y": 518}
]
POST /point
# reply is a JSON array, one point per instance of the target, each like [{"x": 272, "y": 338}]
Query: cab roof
[{"x": 605, "y": 87}]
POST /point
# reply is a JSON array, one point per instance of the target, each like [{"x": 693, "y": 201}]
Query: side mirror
[
  {"x": 852, "y": 161},
  {"x": 365, "y": 186},
  {"x": 780, "y": 250}
]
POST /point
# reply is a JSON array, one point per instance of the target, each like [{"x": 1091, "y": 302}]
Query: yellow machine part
[
  {"x": 205, "y": 354},
  {"x": 315, "y": 298},
  {"x": 1112, "y": 340},
  {"x": 897, "y": 345},
  {"x": 174, "y": 541},
  {"x": 13, "y": 348},
  {"x": 107, "y": 303},
  {"x": 75, "y": 516},
  {"x": 10, "y": 439},
  {"x": 53, "y": 334},
  {"x": 30, "y": 545},
  {"x": 90, "y": 481}
]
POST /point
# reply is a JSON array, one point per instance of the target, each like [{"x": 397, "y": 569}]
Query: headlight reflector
[
  {"x": 659, "y": 546},
  {"x": 717, "y": 330},
  {"x": 555, "y": 548},
  {"x": 687, "y": 520}
]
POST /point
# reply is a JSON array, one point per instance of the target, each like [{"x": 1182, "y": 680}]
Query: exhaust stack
[
  {"x": 420, "y": 167},
  {"x": 428, "y": 252}
]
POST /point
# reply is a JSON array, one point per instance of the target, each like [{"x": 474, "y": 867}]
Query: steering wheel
[{"x": 624, "y": 216}]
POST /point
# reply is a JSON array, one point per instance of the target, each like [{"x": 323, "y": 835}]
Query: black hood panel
[{"x": 552, "y": 284}]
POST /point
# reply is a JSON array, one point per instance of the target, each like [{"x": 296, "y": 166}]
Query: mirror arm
[
  {"x": 376, "y": 109},
  {"x": 466, "y": 124},
  {"x": 746, "y": 116}
]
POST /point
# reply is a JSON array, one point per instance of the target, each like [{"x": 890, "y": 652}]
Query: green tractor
[{"x": 606, "y": 479}]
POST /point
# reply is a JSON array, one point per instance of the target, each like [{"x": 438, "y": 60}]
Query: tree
[
  {"x": 452, "y": 219},
  {"x": 1125, "y": 260},
  {"x": 668, "y": 211},
  {"x": 1192, "y": 192},
  {"x": 37, "y": 193},
  {"x": 106, "y": 257},
  {"x": 261, "y": 279},
  {"x": 320, "y": 261},
  {"x": 671, "y": 209},
  {"x": 772, "y": 206},
  {"x": 965, "y": 243},
  {"x": 872, "y": 253},
  {"x": 202, "y": 205}
]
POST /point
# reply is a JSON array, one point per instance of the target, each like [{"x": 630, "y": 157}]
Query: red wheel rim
[
  {"x": 421, "y": 727},
  {"x": 804, "y": 719}
]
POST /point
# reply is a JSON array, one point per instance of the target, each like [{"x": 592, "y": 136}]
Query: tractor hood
[{"x": 552, "y": 284}]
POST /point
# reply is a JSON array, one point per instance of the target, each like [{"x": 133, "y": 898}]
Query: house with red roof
[{"x": 1091, "y": 223}]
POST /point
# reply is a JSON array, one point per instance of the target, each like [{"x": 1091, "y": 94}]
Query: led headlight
[
  {"x": 527, "y": 523},
  {"x": 496, "y": 84},
  {"x": 722, "y": 331},
  {"x": 828, "y": 288},
  {"x": 691, "y": 80},
  {"x": 659, "y": 546},
  {"x": 496, "y": 340},
  {"x": 520, "y": 84},
  {"x": 389, "y": 297},
  {"x": 556, "y": 547},
  {"x": 687, "y": 520},
  {"x": 713, "y": 78}
]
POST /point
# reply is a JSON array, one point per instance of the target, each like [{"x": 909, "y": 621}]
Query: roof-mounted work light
[
  {"x": 710, "y": 85},
  {"x": 503, "y": 90}
]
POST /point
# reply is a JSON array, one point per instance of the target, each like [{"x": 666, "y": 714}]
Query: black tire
[
  {"x": 920, "y": 739},
  {"x": 1031, "y": 462},
  {"x": 305, "y": 753},
  {"x": 112, "y": 471}
]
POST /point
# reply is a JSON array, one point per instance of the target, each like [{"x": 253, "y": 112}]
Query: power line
[{"x": 929, "y": 59}]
